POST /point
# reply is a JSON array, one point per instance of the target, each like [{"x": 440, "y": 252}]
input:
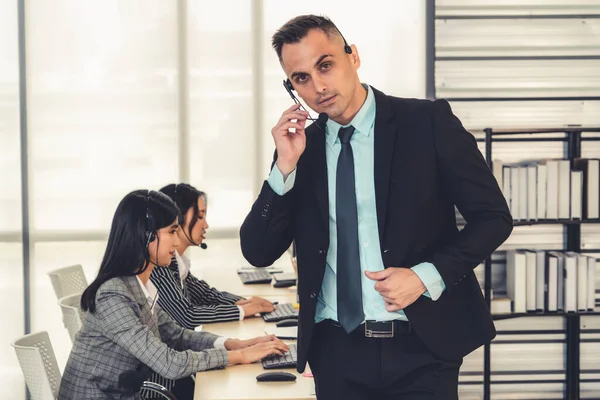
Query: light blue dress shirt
[{"x": 363, "y": 145}]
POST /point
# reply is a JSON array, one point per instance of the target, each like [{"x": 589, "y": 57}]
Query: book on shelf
[
  {"x": 550, "y": 281},
  {"x": 576, "y": 194},
  {"x": 591, "y": 186},
  {"x": 564, "y": 189},
  {"x": 516, "y": 280},
  {"x": 549, "y": 190}
]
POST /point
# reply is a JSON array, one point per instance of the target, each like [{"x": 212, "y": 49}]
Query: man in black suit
[{"x": 389, "y": 303}]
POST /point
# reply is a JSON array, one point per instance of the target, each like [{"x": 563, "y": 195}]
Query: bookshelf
[{"x": 573, "y": 139}]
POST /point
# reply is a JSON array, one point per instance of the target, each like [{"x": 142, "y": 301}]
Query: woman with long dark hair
[{"x": 125, "y": 334}]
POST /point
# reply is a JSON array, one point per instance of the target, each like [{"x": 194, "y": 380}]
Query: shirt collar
[
  {"x": 149, "y": 290},
  {"x": 362, "y": 122},
  {"x": 183, "y": 264}
]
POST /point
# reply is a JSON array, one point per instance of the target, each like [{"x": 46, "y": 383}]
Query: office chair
[
  {"x": 39, "y": 366},
  {"x": 71, "y": 313},
  {"x": 68, "y": 280}
]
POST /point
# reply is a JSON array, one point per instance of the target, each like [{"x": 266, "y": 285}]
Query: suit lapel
[
  {"x": 146, "y": 313},
  {"x": 385, "y": 136}
]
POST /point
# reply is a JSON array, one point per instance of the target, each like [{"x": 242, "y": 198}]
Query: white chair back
[
  {"x": 39, "y": 366},
  {"x": 68, "y": 280},
  {"x": 71, "y": 312}
]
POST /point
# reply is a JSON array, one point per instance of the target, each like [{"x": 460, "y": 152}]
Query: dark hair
[
  {"x": 186, "y": 197},
  {"x": 138, "y": 217},
  {"x": 297, "y": 28}
]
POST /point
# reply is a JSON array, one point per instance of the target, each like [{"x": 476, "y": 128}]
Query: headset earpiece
[
  {"x": 347, "y": 48},
  {"x": 150, "y": 237},
  {"x": 288, "y": 85}
]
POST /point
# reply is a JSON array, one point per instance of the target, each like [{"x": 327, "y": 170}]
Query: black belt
[{"x": 379, "y": 329}]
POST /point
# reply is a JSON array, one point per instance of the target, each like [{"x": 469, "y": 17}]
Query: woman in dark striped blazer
[{"x": 188, "y": 300}]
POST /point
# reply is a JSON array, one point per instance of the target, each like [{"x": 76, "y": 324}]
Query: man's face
[{"x": 322, "y": 73}]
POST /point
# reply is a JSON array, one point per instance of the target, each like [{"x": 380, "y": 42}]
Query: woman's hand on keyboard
[
  {"x": 262, "y": 301},
  {"x": 236, "y": 344},
  {"x": 253, "y": 308},
  {"x": 256, "y": 300},
  {"x": 263, "y": 339},
  {"x": 257, "y": 352}
]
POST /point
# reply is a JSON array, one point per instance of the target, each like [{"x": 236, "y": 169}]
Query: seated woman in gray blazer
[{"x": 125, "y": 334}]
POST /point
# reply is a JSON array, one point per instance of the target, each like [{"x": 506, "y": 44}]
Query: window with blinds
[
  {"x": 102, "y": 108},
  {"x": 222, "y": 144}
]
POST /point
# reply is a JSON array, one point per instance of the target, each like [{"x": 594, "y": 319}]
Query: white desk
[{"x": 239, "y": 382}]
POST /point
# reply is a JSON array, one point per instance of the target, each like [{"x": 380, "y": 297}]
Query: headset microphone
[
  {"x": 322, "y": 120},
  {"x": 203, "y": 246}
]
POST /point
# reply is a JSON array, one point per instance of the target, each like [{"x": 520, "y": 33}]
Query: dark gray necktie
[{"x": 349, "y": 292}]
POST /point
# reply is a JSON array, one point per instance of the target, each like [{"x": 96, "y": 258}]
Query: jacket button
[
  {"x": 313, "y": 295},
  {"x": 321, "y": 251}
]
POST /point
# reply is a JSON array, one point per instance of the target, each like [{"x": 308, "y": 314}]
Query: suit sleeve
[
  {"x": 471, "y": 186},
  {"x": 202, "y": 294},
  {"x": 180, "y": 338},
  {"x": 267, "y": 231},
  {"x": 192, "y": 313}
]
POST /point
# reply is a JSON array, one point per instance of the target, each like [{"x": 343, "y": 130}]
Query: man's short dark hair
[{"x": 297, "y": 28}]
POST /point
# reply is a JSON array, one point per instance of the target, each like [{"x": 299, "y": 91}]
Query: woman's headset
[{"x": 150, "y": 231}]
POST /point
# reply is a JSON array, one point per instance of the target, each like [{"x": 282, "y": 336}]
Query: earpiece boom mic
[
  {"x": 203, "y": 246},
  {"x": 322, "y": 120}
]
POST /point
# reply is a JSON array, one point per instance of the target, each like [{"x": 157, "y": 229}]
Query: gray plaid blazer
[{"x": 123, "y": 334}]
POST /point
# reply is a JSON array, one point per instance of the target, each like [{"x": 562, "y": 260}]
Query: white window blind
[
  {"x": 102, "y": 107},
  {"x": 222, "y": 144},
  {"x": 10, "y": 178}
]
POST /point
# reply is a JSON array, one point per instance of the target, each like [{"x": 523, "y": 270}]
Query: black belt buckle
[{"x": 379, "y": 330}]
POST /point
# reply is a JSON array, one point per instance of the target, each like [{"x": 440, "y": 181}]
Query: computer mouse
[
  {"x": 276, "y": 376},
  {"x": 283, "y": 284},
  {"x": 287, "y": 322}
]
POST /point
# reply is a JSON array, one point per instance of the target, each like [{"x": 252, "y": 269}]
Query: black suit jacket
[{"x": 425, "y": 164}]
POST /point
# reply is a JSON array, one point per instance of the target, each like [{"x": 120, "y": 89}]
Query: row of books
[
  {"x": 550, "y": 189},
  {"x": 549, "y": 281}
]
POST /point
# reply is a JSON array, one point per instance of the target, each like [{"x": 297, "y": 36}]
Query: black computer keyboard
[
  {"x": 255, "y": 277},
  {"x": 288, "y": 360},
  {"x": 281, "y": 312}
]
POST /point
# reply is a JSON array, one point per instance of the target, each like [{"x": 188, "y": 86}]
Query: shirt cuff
[
  {"x": 277, "y": 183},
  {"x": 242, "y": 313},
  {"x": 431, "y": 278},
  {"x": 220, "y": 343}
]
